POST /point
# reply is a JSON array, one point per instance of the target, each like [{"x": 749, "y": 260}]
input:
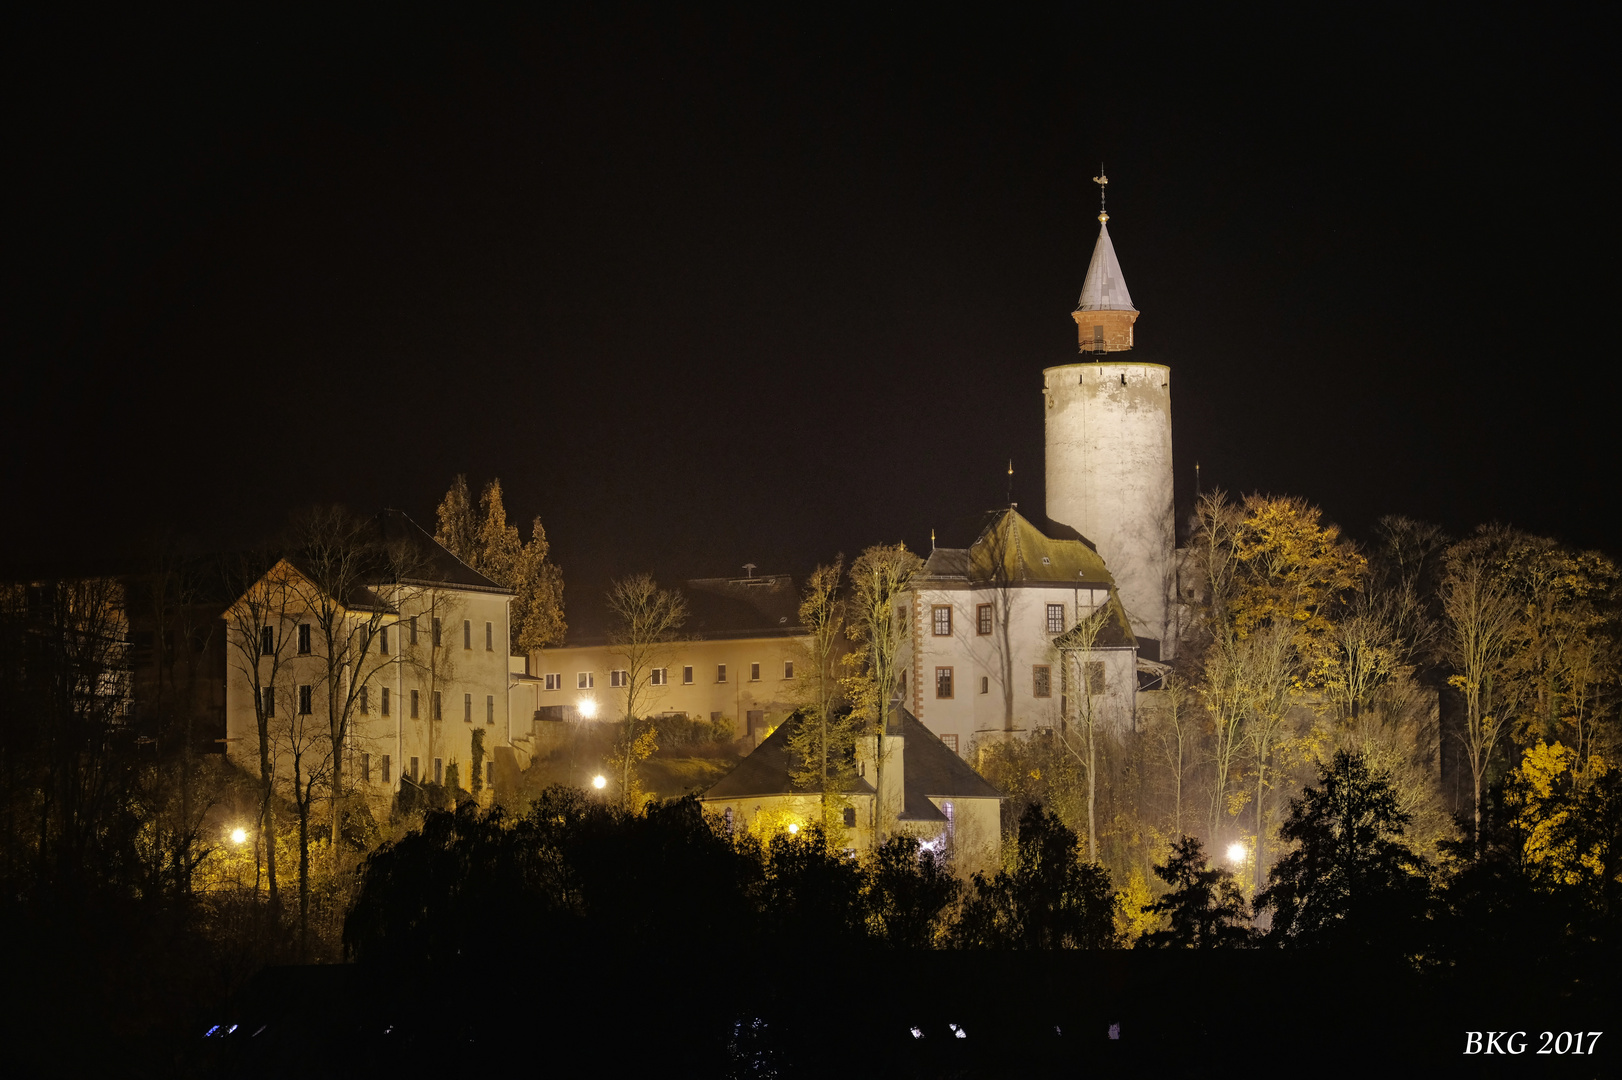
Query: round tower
[{"x": 1108, "y": 427}]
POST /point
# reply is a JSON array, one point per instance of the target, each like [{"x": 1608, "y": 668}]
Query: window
[
  {"x": 439, "y": 700},
  {"x": 901, "y": 684},
  {"x": 754, "y": 672},
  {"x": 1055, "y": 618},
  {"x": 985, "y": 684},
  {"x": 788, "y": 669},
  {"x": 306, "y": 700},
  {"x": 490, "y": 773},
  {"x": 1095, "y": 676},
  {"x": 383, "y": 641},
  {"x": 467, "y": 708},
  {"x": 439, "y": 770},
  {"x": 850, "y": 817},
  {"x": 467, "y": 633},
  {"x": 304, "y": 639},
  {"x": 585, "y": 680},
  {"x": 656, "y": 677},
  {"x": 489, "y": 637},
  {"x": 1041, "y": 681},
  {"x": 489, "y": 708},
  {"x": 383, "y": 704},
  {"x": 982, "y": 619},
  {"x": 386, "y": 777},
  {"x": 619, "y": 678},
  {"x": 940, "y": 617},
  {"x": 270, "y": 701},
  {"x": 413, "y": 635},
  {"x": 415, "y": 696},
  {"x": 950, "y": 741},
  {"x": 554, "y": 682},
  {"x": 434, "y": 627},
  {"x": 414, "y": 766},
  {"x": 943, "y": 682},
  {"x": 687, "y": 676},
  {"x": 365, "y": 700},
  {"x": 267, "y": 641},
  {"x": 365, "y": 768},
  {"x": 720, "y": 673}
]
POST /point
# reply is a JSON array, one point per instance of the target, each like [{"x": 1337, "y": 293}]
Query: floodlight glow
[
  {"x": 599, "y": 781},
  {"x": 239, "y": 835},
  {"x": 793, "y": 828},
  {"x": 588, "y": 708},
  {"x": 1236, "y": 853}
]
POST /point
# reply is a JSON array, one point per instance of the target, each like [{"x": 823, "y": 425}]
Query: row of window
[
  {"x": 620, "y": 678},
  {"x": 1041, "y": 680},
  {"x": 306, "y": 701},
  {"x": 411, "y": 773},
  {"x": 940, "y": 618},
  {"x": 267, "y": 636}
]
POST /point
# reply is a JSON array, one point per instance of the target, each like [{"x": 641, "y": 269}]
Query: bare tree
[
  {"x": 820, "y": 743},
  {"x": 260, "y": 631},
  {"x": 879, "y": 627},
  {"x": 1174, "y": 736},
  {"x": 1082, "y": 689},
  {"x": 352, "y": 584},
  {"x": 1480, "y": 625},
  {"x": 647, "y": 620},
  {"x": 301, "y": 740}
]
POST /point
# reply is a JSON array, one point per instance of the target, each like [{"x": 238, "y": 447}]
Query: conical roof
[{"x": 1105, "y": 288}]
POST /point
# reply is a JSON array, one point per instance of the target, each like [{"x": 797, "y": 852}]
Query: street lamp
[
  {"x": 588, "y": 708},
  {"x": 239, "y": 835},
  {"x": 1236, "y": 853},
  {"x": 599, "y": 781},
  {"x": 793, "y": 828}
]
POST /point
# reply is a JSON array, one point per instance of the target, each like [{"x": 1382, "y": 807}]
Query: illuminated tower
[{"x": 1108, "y": 427}]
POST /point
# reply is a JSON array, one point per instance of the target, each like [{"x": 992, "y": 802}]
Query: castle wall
[{"x": 1109, "y": 475}]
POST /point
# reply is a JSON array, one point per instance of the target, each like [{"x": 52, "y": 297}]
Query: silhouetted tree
[
  {"x": 1351, "y": 882},
  {"x": 1051, "y": 900},
  {"x": 909, "y": 892},
  {"x": 1205, "y": 908}
]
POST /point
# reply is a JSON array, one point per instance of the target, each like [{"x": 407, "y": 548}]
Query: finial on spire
[{"x": 1102, "y": 181}]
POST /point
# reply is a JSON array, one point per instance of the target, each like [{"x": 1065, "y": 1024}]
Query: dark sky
[{"x": 705, "y": 289}]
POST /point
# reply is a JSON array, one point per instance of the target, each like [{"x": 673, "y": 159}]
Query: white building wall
[
  {"x": 467, "y": 668},
  {"x": 1109, "y": 476},
  {"x": 977, "y": 706}
]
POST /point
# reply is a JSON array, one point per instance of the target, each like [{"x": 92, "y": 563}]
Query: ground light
[
  {"x": 793, "y": 828},
  {"x": 239, "y": 835},
  {"x": 588, "y": 708},
  {"x": 599, "y": 781},
  {"x": 1236, "y": 853}
]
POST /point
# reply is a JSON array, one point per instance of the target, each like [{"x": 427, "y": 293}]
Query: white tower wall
[{"x": 1109, "y": 476}]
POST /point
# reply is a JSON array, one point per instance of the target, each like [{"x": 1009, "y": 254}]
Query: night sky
[{"x": 707, "y": 289}]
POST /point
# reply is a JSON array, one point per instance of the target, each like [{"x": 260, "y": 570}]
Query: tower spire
[{"x": 1104, "y": 315}]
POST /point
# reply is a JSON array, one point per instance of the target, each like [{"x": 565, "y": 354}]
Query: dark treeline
[{"x": 1396, "y": 756}]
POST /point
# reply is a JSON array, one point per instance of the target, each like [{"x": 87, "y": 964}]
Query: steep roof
[
  {"x": 1105, "y": 288},
  {"x": 1010, "y": 549},
  {"x": 765, "y": 771},
  {"x": 432, "y": 562},
  {"x": 930, "y": 768}
]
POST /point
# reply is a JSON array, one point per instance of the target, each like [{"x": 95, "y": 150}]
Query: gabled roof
[
  {"x": 765, "y": 771},
  {"x": 1013, "y": 551},
  {"x": 432, "y": 562},
  {"x": 930, "y": 768},
  {"x": 1105, "y": 288}
]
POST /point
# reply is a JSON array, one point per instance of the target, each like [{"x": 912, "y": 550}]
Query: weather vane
[{"x": 1101, "y": 180}]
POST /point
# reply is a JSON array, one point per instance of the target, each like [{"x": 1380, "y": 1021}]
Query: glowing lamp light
[
  {"x": 793, "y": 828},
  {"x": 588, "y": 708},
  {"x": 1236, "y": 853},
  {"x": 599, "y": 781},
  {"x": 239, "y": 835}
]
